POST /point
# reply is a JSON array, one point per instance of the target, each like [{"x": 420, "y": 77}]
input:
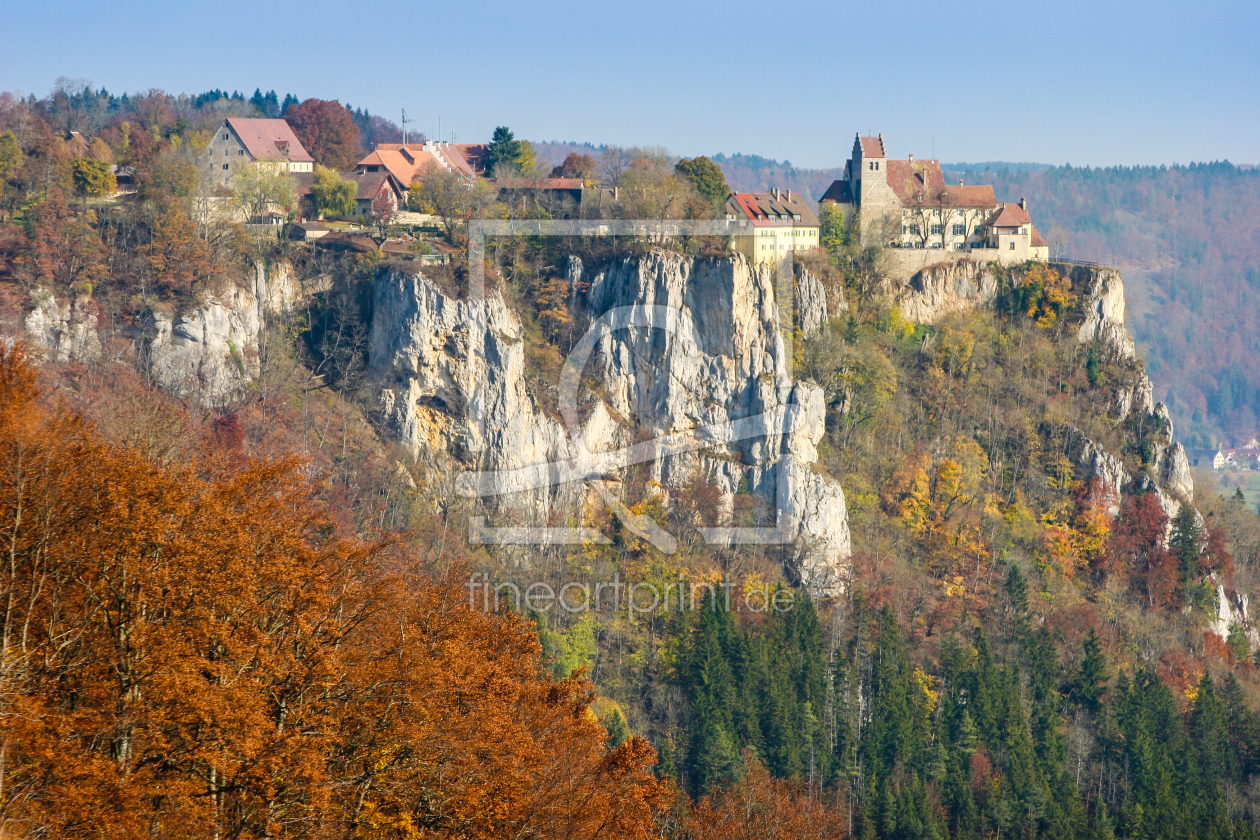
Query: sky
[{"x": 1088, "y": 83}]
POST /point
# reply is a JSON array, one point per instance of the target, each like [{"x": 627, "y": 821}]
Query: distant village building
[
  {"x": 239, "y": 141},
  {"x": 406, "y": 161},
  {"x": 906, "y": 204},
  {"x": 376, "y": 190},
  {"x": 782, "y": 222}
]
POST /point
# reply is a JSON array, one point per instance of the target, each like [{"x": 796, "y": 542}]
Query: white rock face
[
  {"x": 811, "y": 302},
  {"x": 451, "y": 377},
  {"x": 276, "y": 288},
  {"x": 943, "y": 289},
  {"x": 1232, "y": 608},
  {"x": 1095, "y": 462},
  {"x": 63, "y": 331},
  {"x": 1103, "y": 304},
  {"x": 693, "y": 359},
  {"x": 209, "y": 353}
]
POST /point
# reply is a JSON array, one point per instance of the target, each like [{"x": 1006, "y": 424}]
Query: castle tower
[{"x": 869, "y": 177}]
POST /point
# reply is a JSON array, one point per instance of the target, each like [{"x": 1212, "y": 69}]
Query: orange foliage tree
[
  {"x": 760, "y": 807},
  {"x": 196, "y": 651}
]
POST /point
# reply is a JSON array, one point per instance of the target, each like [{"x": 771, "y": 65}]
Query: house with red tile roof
[
  {"x": 907, "y": 205},
  {"x": 239, "y": 141},
  {"x": 408, "y": 161},
  {"x": 782, "y": 221}
]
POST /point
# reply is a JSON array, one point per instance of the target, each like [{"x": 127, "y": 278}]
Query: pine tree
[{"x": 1090, "y": 680}]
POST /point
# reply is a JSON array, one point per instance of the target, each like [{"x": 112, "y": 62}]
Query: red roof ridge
[{"x": 267, "y": 139}]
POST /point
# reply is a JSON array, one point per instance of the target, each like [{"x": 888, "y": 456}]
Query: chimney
[
  {"x": 1023, "y": 204},
  {"x": 960, "y": 183},
  {"x": 912, "y": 158},
  {"x": 774, "y": 191},
  {"x": 789, "y": 196},
  {"x": 616, "y": 190}
]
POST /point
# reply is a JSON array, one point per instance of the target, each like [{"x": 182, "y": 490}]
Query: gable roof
[
  {"x": 769, "y": 209},
  {"x": 269, "y": 140},
  {"x": 921, "y": 182},
  {"x": 1011, "y": 215},
  {"x": 872, "y": 147},
  {"x": 840, "y": 192},
  {"x": 1037, "y": 241},
  {"x": 368, "y": 184},
  {"x": 406, "y": 162}
]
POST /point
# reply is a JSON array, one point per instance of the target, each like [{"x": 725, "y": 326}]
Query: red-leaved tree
[{"x": 327, "y": 130}]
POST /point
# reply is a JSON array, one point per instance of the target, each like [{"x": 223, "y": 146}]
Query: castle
[{"x": 906, "y": 205}]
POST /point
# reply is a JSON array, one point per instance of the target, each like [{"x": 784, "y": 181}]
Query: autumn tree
[
  {"x": 383, "y": 210},
  {"x": 453, "y": 198},
  {"x": 575, "y": 165},
  {"x": 94, "y": 178},
  {"x": 10, "y": 160},
  {"x": 327, "y": 130},
  {"x": 65, "y": 247},
  {"x": 258, "y": 188},
  {"x": 200, "y": 648},
  {"x": 706, "y": 177},
  {"x": 833, "y": 234},
  {"x": 175, "y": 255},
  {"x": 760, "y": 807}
]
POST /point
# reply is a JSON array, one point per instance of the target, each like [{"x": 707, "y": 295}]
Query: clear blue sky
[{"x": 1094, "y": 82}]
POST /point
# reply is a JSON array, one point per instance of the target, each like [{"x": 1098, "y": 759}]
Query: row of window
[{"x": 938, "y": 230}]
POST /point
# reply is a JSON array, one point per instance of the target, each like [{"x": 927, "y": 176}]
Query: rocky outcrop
[
  {"x": 692, "y": 380},
  {"x": 1102, "y": 304},
  {"x": 1096, "y": 464},
  {"x": 275, "y": 287},
  {"x": 946, "y": 288},
  {"x": 208, "y": 352},
  {"x": 811, "y": 302},
  {"x": 1232, "y": 609},
  {"x": 62, "y": 331},
  {"x": 450, "y": 376}
]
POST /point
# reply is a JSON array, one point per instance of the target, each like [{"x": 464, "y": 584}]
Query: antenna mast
[{"x": 404, "y": 125}]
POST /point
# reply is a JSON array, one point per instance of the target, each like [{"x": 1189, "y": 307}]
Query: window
[
  {"x": 1012, "y": 246},
  {"x": 225, "y": 137},
  {"x": 240, "y": 151},
  {"x": 227, "y": 152},
  {"x": 960, "y": 230},
  {"x": 226, "y": 165},
  {"x": 979, "y": 230},
  {"x": 937, "y": 230},
  {"x": 914, "y": 229}
]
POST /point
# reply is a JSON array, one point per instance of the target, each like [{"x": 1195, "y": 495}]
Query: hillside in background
[{"x": 1188, "y": 241}]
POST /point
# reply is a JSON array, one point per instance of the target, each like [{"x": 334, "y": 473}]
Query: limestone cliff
[
  {"x": 693, "y": 378},
  {"x": 946, "y": 288},
  {"x": 208, "y": 352},
  {"x": 62, "y": 331},
  {"x": 940, "y": 290}
]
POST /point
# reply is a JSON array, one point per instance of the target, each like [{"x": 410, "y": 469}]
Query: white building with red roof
[
  {"x": 239, "y": 141},
  {"x": 906, "y": 204},
  {"x": 782, "y": 222}
]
